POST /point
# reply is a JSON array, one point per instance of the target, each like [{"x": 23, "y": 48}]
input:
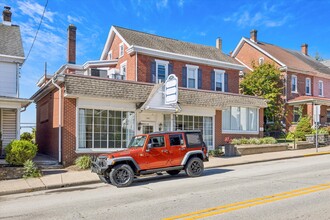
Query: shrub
[
  {"x": 27, "y": 136},
  {"x": 31, "y": 170},
  {"x": 257, "y": 141},
  {"x": 303, "y": 128},
  {"x": 321, "y": 131},
  {"x": 290, "y": 136},
  {"x": 216, "y": 153},
  {"x": 83, "y": 162},
  {"x": 19, "y": 151}
]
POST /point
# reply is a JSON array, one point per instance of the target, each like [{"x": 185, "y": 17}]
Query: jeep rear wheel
[
  {"x": 194, "y": 167},
  {"x": 173, "y": 172},
  {"x": 121, "y": 175}
]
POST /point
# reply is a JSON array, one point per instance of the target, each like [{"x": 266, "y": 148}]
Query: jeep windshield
[{"x": 137, "y": 141}]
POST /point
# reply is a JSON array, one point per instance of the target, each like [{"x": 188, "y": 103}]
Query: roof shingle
[{"x": 11, "y": 41}]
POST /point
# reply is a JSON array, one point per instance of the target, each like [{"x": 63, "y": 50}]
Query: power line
[{"x": 35, "y": 37}]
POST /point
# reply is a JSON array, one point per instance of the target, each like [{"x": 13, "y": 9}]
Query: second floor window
[
  {"x": 293, "y": 83},
  {"x": 192, "y": 76},
  {"x": 219, "y": 80},
  {"x": 123, "y": 70},
  {"x": 161, "y": 70},
  {"x": 308, "y": 86},
  {"x": 121, "y": 49},
  {"x": 320, "y": 88},
  {"x": 110, "y": 55}
]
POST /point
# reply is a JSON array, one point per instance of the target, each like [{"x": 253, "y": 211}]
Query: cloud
[
  {"x": 202, "y": 33},
  {"x": 35, "y": 11},
  {"x": 74, "y": 20},
  {"x": 254, "y": 16},
  {"x": 162, "y": 4},
  {"x": 180, "y": 3}
]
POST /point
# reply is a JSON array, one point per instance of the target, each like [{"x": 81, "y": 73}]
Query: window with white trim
[
  {"x": 240, "y": 119},
  {"x": 110, "y": 55},
  {"x": 219, "y": 80},
  {"x": 121, "y": 49},
  {"x": 123, "y": 70},
  {"x": 261, "y": 60},
  {"x": 320, "y": 86},
  {"x": 161, "y": 70},
  {"x": 99, "y": 128},
  {"x": 294, "y": 83},
  {"x": 192, "y": 72},
  {"x": 308, "y": 86}
]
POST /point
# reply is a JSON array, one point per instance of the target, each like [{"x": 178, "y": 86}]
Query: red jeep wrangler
[{"x": 153, "y": 153}]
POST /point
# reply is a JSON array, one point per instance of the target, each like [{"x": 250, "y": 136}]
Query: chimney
[
  {"x": 72, "y": 44},
  {"x": 6, "y": 16},
  {"x": 304, "y": 49},
  {"x": 218, "y": 43},
  {"x": 253, "y": 35}
]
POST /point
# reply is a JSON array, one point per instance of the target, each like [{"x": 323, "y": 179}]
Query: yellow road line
[
  {"x": 249, "y": 203},
  {"x": 313, "y": 154}
]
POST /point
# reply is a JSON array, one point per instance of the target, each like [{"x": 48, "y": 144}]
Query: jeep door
[
  {"x": 177, "y": 148},
  {"x": 157, "y": 155}
]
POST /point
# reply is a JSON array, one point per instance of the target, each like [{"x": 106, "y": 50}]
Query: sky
[{"x": 285, "y": 23}]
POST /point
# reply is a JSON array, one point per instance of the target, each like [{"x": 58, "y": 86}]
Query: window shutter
[
  {"x": 199, "y": 78},
  {"x": 153, "y": 72},
  {"x": 184, "y": 76},
  {"x": 212, "y": 80},
  {"x": 226, "y": 82},
  {"x": 170, "y": 68}
]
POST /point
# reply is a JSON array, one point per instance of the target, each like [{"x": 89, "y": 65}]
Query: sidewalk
[{"x": 64, "y": 178}]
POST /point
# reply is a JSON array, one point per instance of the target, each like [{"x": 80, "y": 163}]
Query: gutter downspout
[
  {"x": 136, "y": 67},
  {"x": 59, "y": 121}
]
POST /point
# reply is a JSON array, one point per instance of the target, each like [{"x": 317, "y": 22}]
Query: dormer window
[
  {"x": 121, "y": 49},
  {"x": 261, "y": 61}
]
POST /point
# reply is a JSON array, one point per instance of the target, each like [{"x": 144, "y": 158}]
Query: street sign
[
  {"x": 171, "y": 89},
  {"x": 316, "y": 113}
]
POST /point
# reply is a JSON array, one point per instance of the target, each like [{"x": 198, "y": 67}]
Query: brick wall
[
  {"x": 144, "y": 72},
  {"x": 326, "y": 87},
  {"x": 301, "y": 85}
]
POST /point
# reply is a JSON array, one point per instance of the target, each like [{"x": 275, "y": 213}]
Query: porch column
[{"x": 18, "y": 124}]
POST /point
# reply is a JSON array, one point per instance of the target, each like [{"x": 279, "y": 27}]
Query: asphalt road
[{"x": 285, "y": 189}]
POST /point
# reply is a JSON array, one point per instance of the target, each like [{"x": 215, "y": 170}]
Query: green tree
[{"x": 266, "y": 81}]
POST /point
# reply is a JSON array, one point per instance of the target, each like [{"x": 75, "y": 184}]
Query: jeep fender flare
[
  {"x": 113, "y": 161},
  {"x": 190, "y": 153}
]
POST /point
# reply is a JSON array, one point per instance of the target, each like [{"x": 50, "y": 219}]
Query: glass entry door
[{"x": 147, "y": 128}]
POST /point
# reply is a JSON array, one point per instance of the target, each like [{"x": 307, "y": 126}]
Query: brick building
[
  {"x": 306, "y": 81},
  {"x": 98, "y": 106}
]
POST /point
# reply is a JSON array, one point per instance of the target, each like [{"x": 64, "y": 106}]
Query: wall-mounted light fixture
[
  {"x": 160, "y": 126},
  {"x": 139, "y": 126}
]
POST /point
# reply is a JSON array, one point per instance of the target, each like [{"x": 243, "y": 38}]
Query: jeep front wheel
[
  {"x": 121, "y": 175},
  {"x": 194, "y": 167}
]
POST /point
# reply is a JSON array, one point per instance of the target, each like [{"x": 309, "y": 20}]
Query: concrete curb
[{"x": 58, "y": 186}]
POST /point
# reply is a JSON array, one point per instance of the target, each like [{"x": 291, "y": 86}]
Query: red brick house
[
  {"x": 306, "y": 81},
  {"x": 98, "y": 106}
]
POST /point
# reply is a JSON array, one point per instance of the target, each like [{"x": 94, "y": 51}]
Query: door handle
[
  {"x": 182, "y": 149},
  {"x": 165, "y": 151}
]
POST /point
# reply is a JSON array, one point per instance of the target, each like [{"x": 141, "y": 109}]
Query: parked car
[{"x": 153, "y": 153}]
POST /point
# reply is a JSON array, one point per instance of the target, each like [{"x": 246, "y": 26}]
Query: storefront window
[
  {"x": 105, "y": 129},
  {"x": 240, "y": 119},
  {"x": 189, "y": 122}
]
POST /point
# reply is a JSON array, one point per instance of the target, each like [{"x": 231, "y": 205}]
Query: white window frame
[
  {"x": 241, "y": 131},
  {"x": 121, "y": 49},
  {"x": 195, "y": 69},
  {"x": 110, "y": 55},
  {"x": 308, "y": 85},
  {"x": 322, "y": 91},
  {"x": 121, "y": 70},
  {"x": 261, "y": 60},
  {"x": 296, "y": 86},
  {"x": 218, "y": 72},
  {"x": 164, "y": 63}
]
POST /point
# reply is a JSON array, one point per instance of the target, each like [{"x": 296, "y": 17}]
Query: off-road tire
[
  {"x": 173, "y": 172},
  {"x": 121, "y": 175},
  {"x": 194, "y": 167},
  {"x": 104, "y": 178}
]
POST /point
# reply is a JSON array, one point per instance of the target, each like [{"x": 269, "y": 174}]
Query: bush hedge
[
  {"x": 83, "y": 162},
  {"x": 19, "y": 151},
  {"x": 257, "y": 141}
]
